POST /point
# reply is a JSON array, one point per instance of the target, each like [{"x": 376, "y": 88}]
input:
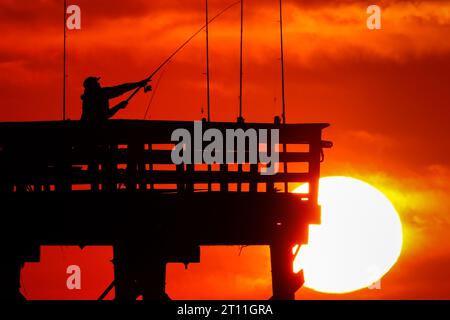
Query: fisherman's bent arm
[
  {"x": 114, "y": 92},
  {"x": 112, "y": 112}
]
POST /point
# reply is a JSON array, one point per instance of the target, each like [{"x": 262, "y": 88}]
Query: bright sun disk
[{"x": 358, "y": 241}]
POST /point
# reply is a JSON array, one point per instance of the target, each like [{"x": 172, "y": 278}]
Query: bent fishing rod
[
  {"x": 113, "y": 283},
  {"x": 182, "y": 46}
]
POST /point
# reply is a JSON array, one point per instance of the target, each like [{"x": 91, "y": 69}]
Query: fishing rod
[
  {"x": 182, "y": 46},
  {"x": 113, "y": 283}
]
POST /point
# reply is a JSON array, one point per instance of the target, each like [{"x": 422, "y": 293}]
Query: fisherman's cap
[{"x": 89, "y": 81}]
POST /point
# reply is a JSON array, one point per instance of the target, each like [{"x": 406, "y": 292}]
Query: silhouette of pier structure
[{"x": 65, "y": 183}]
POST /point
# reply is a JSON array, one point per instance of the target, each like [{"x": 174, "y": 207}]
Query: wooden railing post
[{"x": 314, "y": 166}]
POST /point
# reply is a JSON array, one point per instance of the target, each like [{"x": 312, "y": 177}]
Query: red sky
[{"x": 385, "y": 92}]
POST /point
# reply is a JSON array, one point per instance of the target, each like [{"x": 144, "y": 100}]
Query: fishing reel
[{"x": 148, "y": 88}]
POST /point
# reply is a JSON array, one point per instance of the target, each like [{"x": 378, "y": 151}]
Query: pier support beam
[
  {"x": 139, "y": 271},
  {"x": 10, "y": 268},
  {"x": 285, "y": 282}
]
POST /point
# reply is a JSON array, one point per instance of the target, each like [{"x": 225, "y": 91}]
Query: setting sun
[{"x": 358, "y": 241}]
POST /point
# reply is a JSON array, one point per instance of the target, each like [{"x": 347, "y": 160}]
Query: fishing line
[
  {"x": 155, "y": 91},
  {"x": 182, "y": 46},
  {"x": 112, "y": 285}
]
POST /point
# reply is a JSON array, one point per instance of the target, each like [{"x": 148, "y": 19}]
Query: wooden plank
[{"x": 121, "y": 131}]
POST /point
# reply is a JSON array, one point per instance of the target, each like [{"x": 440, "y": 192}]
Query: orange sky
[{"x": 386, "y": 94}]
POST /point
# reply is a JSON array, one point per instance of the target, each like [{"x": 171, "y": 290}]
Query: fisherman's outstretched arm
[{"x": 116, "y": 91}]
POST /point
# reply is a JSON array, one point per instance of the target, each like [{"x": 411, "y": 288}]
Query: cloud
[{"x": 385, "y": 92}]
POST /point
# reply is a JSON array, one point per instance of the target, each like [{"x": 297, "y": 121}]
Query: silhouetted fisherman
[
  {"x": 96, "y": 111},
  {"x": 96, "y": 99}
]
